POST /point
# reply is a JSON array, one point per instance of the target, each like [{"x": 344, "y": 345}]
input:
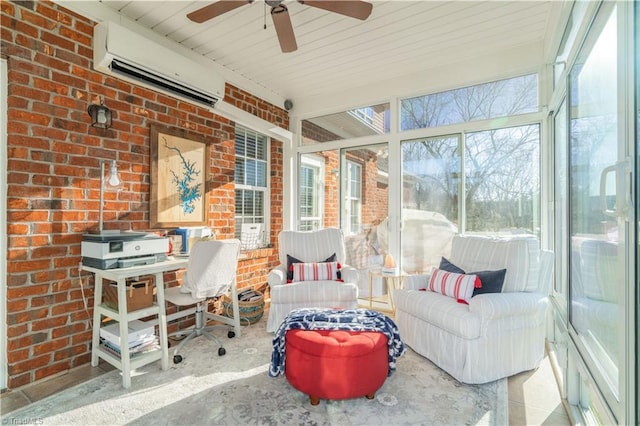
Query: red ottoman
[{"x": 336, "y": 364}]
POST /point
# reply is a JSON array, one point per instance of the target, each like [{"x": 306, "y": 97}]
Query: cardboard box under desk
[{"x": 139, "y": 295}]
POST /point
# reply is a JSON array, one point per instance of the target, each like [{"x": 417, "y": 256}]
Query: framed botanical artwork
[{"x": 179, "y": 175}]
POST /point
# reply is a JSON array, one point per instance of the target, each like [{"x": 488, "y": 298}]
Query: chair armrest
[
  {"x": 496, "y": 305},
  {"x": 277, "y": 276},
  {"x": 416, "y": 281},
  {"x": 349, "y": 274}
]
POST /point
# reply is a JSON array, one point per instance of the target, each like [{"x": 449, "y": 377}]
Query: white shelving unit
[{"x": 125, "y": 362}]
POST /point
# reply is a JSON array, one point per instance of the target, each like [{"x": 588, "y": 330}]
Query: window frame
[
  {"x": 317, "y": 164},
  {"x": 452, "y": 92},
  {"x": 266, "y": 190},
  {"x": 350, "y": 168}
]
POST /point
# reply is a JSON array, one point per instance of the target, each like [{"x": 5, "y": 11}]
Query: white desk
[{"x": 120, "y": 275}]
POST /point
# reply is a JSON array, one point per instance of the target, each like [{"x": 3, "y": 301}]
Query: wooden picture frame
[{"x": 179, "y": 176}]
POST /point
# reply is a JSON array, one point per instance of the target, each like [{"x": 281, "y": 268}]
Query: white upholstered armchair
[
  {"x": 310, "y": 247},
  {"x": 496, "y": 335}
]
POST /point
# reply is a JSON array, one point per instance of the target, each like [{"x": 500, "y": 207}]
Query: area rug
[{"x": 235, "y": 389}]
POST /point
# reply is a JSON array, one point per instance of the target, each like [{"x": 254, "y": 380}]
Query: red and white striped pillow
[
  {"x": 458, "y": 286},
  {"x": 320, "y": 271}
]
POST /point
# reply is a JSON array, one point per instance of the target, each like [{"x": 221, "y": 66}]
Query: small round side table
[{"x": 397, "y": 282}]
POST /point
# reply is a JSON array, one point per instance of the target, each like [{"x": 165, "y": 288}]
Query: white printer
[{"x": 123, "y": 249}]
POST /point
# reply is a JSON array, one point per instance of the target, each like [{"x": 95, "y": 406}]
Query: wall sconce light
[
  {"x": 112, "y": 182},
  {"x": 100, "y": 115}
]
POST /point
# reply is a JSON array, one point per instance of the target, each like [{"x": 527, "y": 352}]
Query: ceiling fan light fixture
[{"x": 280, "y": 8}]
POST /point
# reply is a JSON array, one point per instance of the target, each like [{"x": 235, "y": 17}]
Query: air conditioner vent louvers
[
  {"x": 160, "y": 82},
  {"x": 128, "y": 55}
]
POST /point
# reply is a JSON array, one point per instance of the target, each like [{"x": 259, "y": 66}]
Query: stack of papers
[{"x": 141, "y": 338}]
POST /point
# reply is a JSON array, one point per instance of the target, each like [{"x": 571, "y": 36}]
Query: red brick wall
[
  {"x": 53, "y": 173},
  {"x": 374, "y": 194}
]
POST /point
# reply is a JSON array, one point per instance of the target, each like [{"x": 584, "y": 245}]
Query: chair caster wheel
[
  {"x": 177, "y": 359},
  {"x": 231, "y": 334},
  {"x": 221, "y": 351}
]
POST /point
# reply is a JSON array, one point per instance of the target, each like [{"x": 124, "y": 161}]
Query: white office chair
[{"x": 211, "y": 272}]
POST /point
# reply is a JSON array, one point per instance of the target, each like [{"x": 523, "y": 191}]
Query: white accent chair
[
  {"x": 211, "y": 272},
  {"x": 497, "y": 334},
  {"x": 310, "y": 246}
]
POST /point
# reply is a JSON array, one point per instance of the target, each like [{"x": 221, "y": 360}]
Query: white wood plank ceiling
[{"x": 337, "y": 54}]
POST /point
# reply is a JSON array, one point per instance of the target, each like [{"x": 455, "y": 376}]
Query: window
[
  {"x": 484, "y": 182},
  {"x": 561, "y": 211},
  {"x": 501, "y": 98},
  {"x": 354, "y": 123},
  {"x": 502, "y": 184},
  {"x": 430, "y": 187},
  {"x": 353, "y": 198},
  {"x": 597, "y": 277},
  {"x": 364, "y": 114},
  {"x": 251, "y": 171},
  {"x": 311, "y": 192}
]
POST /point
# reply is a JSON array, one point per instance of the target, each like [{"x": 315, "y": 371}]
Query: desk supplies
[
  {"x": 139, "y": 295},
  {"x": 125, "y": 358},
  {"x": 192, "y": 234},
  {"x": 141, "y": 338},
  {"x": 137, "y": 332}
]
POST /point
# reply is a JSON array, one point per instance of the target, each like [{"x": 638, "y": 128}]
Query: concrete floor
[{"x": 534, "y": 398}]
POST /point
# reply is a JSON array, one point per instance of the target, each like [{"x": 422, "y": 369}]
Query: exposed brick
[
  {"x": 74, "y": 330},
  {"x": 52, "y": 369},
  {"x": 16, "y": 306},
  {"x": 69, "y": 354},
  {"x": 81, "y": 58},
  {"x": 53, "y": 173},
  {"x": 29, "y": 364}
]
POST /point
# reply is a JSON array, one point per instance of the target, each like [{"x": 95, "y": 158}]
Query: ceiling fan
[{"x": 280, "y": 14}]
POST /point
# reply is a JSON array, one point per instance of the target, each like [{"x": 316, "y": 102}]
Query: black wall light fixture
[{"x": 100, "y": 115}]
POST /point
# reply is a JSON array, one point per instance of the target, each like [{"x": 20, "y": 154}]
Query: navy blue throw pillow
[
  {"x": 492, "y": 281},
  {"x": 446, "y": 265}
]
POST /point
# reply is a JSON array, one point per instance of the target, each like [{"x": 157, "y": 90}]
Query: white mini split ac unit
[{"x": 121, "y": 52}]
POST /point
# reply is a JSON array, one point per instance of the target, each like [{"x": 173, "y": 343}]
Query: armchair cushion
[
  {"x": 494, "y": 306},
  {"x": 442, "y": 311}
]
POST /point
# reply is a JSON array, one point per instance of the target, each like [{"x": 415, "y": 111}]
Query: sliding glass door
[
  {"x": 364, "y": 212},
  {"x": 431, "y": 182},
  {"x": 601, "y": 276}
]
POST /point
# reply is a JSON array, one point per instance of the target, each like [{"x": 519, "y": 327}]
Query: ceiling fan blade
[
  {"x": 355, "y": 9},
  {"x": 216, "y": 9},
  {"x": 284, "y": 29}
]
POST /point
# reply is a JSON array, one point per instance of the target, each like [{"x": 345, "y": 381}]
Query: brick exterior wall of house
[
  {"x": 374, "y": 193},
  {"x": 53, "y": 176}
]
